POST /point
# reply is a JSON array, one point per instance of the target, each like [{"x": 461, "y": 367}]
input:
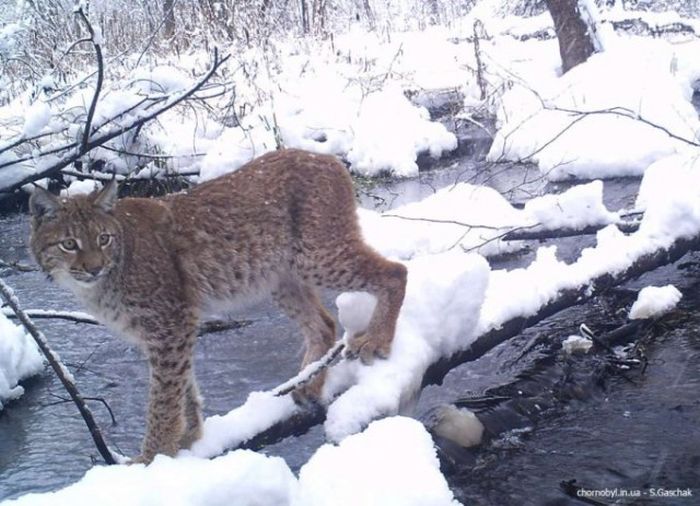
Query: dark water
[
  {"x": 621, "y": 434},
  {"x": 629, "y": 430}
]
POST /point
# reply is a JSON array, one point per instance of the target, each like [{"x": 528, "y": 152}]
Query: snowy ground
[{"x": 626, "y": 111}]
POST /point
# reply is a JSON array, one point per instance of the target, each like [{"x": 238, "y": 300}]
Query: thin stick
[
  {"x": 63, "y": 374},
  {"x": 310, "y": 371},
  {"x": 97, "y": 44}
]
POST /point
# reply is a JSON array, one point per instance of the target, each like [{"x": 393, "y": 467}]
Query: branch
[
  {"x": 207, "y": 327},
  {"x": 97, "y": 44},
  {"x": 625, "y": 113},
  {"x": 540, "y": 234},
  {"x": 63, "y": 374},
  {"x": 4, "y": 264},
  {"x": 107, "y": 136}
]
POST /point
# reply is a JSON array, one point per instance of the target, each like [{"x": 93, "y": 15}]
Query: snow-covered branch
[
  {"x": 63, "y": 374},
  {"x": 133, "y": 117}
]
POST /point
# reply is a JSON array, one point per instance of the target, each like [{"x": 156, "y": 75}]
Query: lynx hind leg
[
  {"x": 301, "y": 303},
  {"x": 363, "y": 269}
]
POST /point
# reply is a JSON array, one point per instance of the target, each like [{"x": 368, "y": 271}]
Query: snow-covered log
[
  {"x": 302, "y": 419},
  {"x": 566, "y": 298}
]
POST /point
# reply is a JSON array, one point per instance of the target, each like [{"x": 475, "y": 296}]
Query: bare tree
[
  {"x": 169, "y": 17},
  {"x": 575, "y": 45}
]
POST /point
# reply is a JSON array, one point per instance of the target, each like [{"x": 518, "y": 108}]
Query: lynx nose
[{"x": 94, "y": 271}]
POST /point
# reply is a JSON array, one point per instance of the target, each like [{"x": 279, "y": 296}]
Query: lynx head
[{"x": 75, "y": 240}]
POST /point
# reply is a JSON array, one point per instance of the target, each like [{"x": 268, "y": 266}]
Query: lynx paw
[
  {"x": 365, "y": 348},
  {"x": 309, "y": 395},
  {"x": 139, "y": 459},
  {"x": 190, "y": 437}
]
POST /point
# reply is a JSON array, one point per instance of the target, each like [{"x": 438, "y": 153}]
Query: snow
[
  {"x": 260, "y": 411},
  {"x": 243, "y": 478},
  {"x": 554, "y": 120},
  {"x": 475, "y": 217},
  {"x": 393, "y": 462},
  {"x": 36, "y": 118},
  {"x": 373, "y": 152},
  {"x": 161, "y": 79},
  {"x": 575, "y": 344},
  {"x": 459, "y": 425},
  {"x": 521, "y": 292},
  {"x": 440, "y": 312},
  {"x": 654, "y": 301},
  {"x": 19, "y": 359},
  {"x": 80, "y": 188}
]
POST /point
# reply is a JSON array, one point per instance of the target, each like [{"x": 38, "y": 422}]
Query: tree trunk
[
  {"x": 369, "y": 14},
  {"x": 304, "y": 16},
  {"x": 169, "y": 15},
  {"x": 575, "y": 46}
]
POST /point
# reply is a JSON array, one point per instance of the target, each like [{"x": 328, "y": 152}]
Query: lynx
[{"x": 283, "y": 226}]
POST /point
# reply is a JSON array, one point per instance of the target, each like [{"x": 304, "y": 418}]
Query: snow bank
[
  {"x": 242, "y": 478},
  {"x": 654, "y": 301},
  {"x": 19, "y": 359},
  {"x": 584, "y": 124},
  {"x": 671, "y": 197},
  {"x": 390, "y": 132},
  {"x": 392, "y": 463},
  {"x": 474, "y": 217},
  {"x": 381, "y": 132}
]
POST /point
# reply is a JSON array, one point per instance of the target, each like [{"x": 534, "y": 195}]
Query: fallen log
[
  {"x": 304, "y": 419},
  {"x": 567, "y": 298}
]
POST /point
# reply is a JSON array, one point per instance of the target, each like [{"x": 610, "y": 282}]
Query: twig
[
  {"x": 310, "y": 371},
  {"x": 97, "y": 44},
  {"x": 479, "y": 64},
  {"x": 435, "y": 220},
  {"x": 63, "y": 374},
  {"x": 208, "y": 327},
  {"x": 98, "y": 399},
  {"x": 4, "y": 264}
]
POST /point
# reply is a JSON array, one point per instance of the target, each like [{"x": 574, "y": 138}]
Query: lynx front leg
[
  {"x": 193, "y": 414},
  {"x": 168, "y": 404}
]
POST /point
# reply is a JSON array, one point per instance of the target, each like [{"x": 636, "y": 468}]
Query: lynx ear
[
  {"x": 42, "y": 203},
  {"x": 107, "y": 196}
]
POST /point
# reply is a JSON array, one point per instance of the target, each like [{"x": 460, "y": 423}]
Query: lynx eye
[
  {"x": 69, "y": 245},
  {"x": 104, "y": 240}
]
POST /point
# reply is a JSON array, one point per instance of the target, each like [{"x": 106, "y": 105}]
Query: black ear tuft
[
  {"x": 107, "y": 196},
  {"x": 42, "y": 203}
]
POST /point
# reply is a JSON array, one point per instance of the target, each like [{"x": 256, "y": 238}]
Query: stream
[{"x": 631, "y": 433}]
